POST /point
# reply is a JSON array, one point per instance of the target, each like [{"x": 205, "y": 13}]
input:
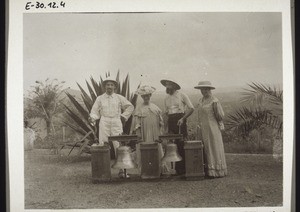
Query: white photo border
[{"x": 15, "y": 78}]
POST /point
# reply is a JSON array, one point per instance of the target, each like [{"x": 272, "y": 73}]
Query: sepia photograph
[
  {"x": 150, "y": 105},
  {"x": 153, "y": 110}
]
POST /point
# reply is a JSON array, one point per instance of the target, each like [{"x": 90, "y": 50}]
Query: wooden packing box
[
  {"x": 150, "y": 162},
  {"x": 100, "y": 163},
  {"x": 194, "y": 163}
]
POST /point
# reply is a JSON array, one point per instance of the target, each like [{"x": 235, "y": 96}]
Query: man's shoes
[{"x": 122, "y": 175}]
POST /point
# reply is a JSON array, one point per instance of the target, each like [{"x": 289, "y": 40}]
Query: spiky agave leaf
[
  {"x": 77, "y": 119},
  {"x": 87, "y": 104},
  {"x": 92, "y": 93},
  {"x": 97, "y": 88},
  {"x": 85, "y": 142},
  {"x": 118, "y": 76},
  {"x": 123, "y": 89},
  {"x": 128, "y": 89},
  {"x": 118, "y": 82},
  {"x": 78, "y": 106},
  {"x": 75, "y": 128},
  {"x": 86, "y": 97}
]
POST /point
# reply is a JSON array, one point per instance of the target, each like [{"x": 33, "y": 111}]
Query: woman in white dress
[
  {"x": 210, "y": 117},
  {"x": 147, "y": 121}
]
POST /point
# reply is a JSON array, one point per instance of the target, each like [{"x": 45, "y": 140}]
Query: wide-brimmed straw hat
[
  {"x": 164, "y": 82},
  {"x": 145, "y": 89},
  {"x": 204, "y": 84},
  {"x": 110, "y": 79}
]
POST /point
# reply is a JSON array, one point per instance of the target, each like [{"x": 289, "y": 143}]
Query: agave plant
[
  {"x": 264, "y": 110},
  {"x": 81, "y": 109}
]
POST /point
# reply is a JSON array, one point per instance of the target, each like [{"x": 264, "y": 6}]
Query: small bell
[
  {"x": 172, "y": 154},
  {"x": 124, "y": 160}
]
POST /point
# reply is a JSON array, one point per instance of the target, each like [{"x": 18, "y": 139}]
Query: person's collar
[{"x": 107, "y": 96}]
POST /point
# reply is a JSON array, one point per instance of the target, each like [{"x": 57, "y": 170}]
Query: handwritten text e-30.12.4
[{"x": 41, "y": 5}]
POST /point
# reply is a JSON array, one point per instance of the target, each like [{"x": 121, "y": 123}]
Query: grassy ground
[{"x": 55, "y": 182}]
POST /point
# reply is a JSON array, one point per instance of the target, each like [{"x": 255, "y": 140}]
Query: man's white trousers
[{"x": 110, "y": 127}]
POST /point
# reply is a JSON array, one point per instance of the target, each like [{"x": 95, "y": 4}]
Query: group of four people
[{"x": 114, "y": 110}]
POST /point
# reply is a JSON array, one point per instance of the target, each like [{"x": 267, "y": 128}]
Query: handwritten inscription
[{"x": 41, "y": 5}]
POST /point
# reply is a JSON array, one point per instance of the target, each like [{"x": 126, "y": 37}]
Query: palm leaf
[
  {"x": 259, "y": 93},
  {"x": 244, "y": 120}
]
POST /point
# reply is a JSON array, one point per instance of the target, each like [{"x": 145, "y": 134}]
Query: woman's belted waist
[{"x": 173, "y": 115}]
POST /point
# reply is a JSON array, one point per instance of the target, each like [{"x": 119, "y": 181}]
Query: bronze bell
[
  {"x": 124, "y": 160},
  {"x": 171, "y": 154}
]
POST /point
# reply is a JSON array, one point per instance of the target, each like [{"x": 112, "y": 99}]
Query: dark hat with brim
[
  {"x": 164, "y": 82},
  {"x": 204, "y": 84}
]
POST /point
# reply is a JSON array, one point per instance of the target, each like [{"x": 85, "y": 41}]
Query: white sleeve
[
  {"x": 95, "y": 111},
  {"x": 187, "y": 101},
  {"x": 127, "y": 107}
]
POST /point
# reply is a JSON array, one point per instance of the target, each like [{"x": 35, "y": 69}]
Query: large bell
[
  {"x": 124, "y": 160},
  {"x": 171, "y": 154}
]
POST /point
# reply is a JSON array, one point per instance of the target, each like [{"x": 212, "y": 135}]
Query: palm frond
[
  {"x": 259, "y": 94},
  {"x": 244, "y": 120}
]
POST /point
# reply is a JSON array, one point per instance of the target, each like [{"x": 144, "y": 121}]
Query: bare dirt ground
[{"x": 56, "y": 182}]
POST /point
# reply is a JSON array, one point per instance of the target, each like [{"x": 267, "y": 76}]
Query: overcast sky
[{"x": 229, "y": 49}]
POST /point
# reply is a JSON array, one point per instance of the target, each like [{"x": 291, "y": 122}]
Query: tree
[
  {"x": 45, "y": 102},
  {"x": 264, "y": 110}
]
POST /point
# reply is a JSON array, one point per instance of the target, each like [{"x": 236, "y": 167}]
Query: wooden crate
[
  {"x": 194, "y": 163},
  {"x": 150, "y": 161},
  {"x": 100, "y": 163}
]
